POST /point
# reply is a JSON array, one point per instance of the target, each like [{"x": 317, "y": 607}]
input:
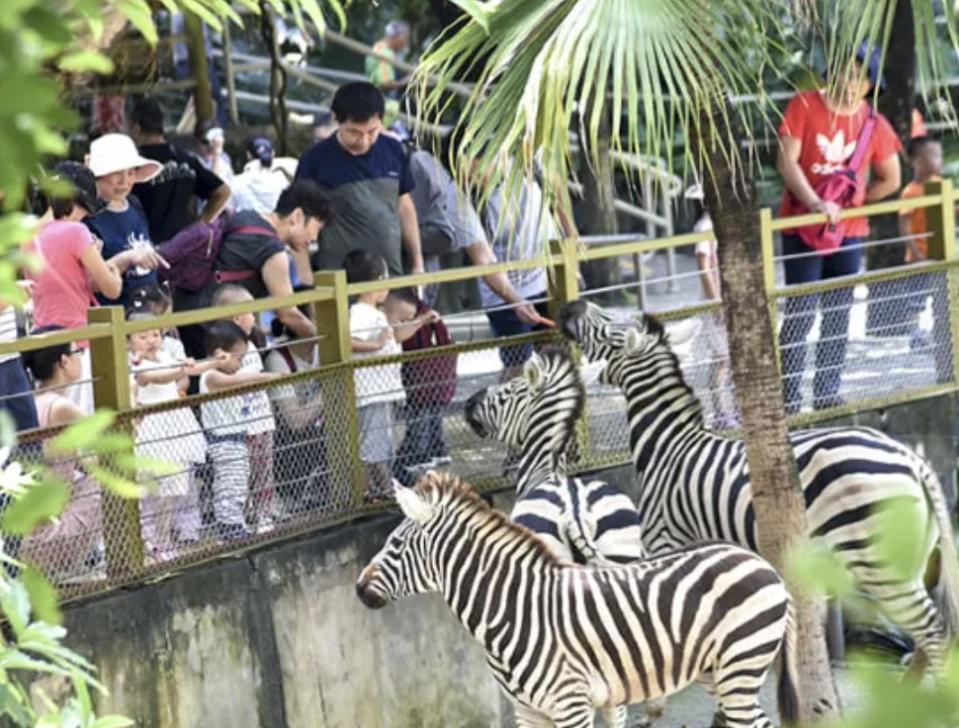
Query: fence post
[
  {"x": 768, "y": 247},
  {"x": 564, "y": 278},
  {"x": 122, "y": 540},
  {"x": 941, "y": 223},
  {"x": 332, "y": 318}
]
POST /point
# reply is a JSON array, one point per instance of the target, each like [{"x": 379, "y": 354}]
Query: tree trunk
[
  {"x": 889, "y": 317},
  {"x": 598, "y": 213},
  {"x": 196, "y": 48},
  {"x": 277, "y": 78},
  {"x": 777, "y": 494}
]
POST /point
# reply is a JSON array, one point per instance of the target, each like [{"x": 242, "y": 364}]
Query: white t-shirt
[
  {"x": 374, "y": 384},
  {"x": 707, "y": 247},
  {"x": 226, "y": 416},
  {"x": 260, "y": 417}
]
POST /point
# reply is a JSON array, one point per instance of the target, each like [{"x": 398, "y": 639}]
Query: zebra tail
[
  {"x": 788, "y": 688},
  {"x": 946, "y": 594}
]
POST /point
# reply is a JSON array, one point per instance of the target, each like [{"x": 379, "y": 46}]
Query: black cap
[{"x": 84, "y": 184}]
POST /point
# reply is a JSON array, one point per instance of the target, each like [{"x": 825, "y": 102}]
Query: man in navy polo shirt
[{"x": 368, "y": 177}]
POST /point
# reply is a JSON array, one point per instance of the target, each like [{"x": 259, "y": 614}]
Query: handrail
[{"x": 631, "y": 246}]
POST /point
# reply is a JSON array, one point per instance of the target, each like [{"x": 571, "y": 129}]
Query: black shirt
[
  {"x": 169, "y": 198},
  {"x": 248, "y": 251}
]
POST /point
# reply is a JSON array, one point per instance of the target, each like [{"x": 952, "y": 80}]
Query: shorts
[
  {"x": 376, "y": 432},
  {"x": 505, "y": 322}
]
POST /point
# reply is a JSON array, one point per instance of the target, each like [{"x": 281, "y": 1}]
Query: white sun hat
[{"x": 116, "y": 152}]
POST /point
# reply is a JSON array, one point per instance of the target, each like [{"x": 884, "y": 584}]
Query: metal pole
[{"x": 230, "y": 79}]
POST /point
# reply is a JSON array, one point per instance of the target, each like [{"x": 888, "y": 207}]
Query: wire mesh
[{"x": 854, "y": 343}]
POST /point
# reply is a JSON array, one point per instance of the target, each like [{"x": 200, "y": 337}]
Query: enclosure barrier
[{"x": 318, "y": 465}]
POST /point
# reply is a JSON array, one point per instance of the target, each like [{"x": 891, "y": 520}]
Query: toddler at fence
[
  {"x": 377, "y": 388},
  {"x": 170, "y": 516},
  {"x": 430, "y": 384},
  {"x": 225, "y": 421},
  {"x": 260, "y": 423}
]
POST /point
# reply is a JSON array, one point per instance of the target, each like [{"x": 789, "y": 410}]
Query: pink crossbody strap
[{"x": 865, "y": 136}]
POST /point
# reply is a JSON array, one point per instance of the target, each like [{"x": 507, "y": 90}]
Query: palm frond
[{"x": 655, "y": 70}]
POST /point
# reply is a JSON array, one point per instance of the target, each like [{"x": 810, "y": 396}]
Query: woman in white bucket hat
[{"x": 121, "y": 224}]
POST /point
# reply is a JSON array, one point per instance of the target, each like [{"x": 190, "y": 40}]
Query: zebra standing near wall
[
  {"x": 695, "y": 483},
  {"x": 585, "y": 521},
  {"x": 564, "y": 640}
]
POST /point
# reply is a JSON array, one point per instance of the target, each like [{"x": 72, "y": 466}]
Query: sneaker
[
  {"x": 828, "y": 401},
  {"x": 265, "y": 525},
  {"x": 920, "y": 341},
  {"x": 232, "y": 532},
  {"x": 442, "y": 461}
]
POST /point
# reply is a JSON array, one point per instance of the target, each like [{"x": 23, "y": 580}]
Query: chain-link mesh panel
[{"x": 835, "y": 353}]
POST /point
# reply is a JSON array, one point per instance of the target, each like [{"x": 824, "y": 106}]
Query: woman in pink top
[{"x": 73, "y": 268}]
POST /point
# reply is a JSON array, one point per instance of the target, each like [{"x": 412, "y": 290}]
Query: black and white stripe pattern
[
  {"x": 564, "y": 640},
  {"x": 695, "y": 483},
  {"x": 585, "y": 521}
]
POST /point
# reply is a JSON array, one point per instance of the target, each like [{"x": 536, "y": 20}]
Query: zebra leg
[
  {"x": 737, "y": 688},
  {"x": 527, "y": 717},
  {"x": 911, "y": 607},
  {"x": 615, "y": 716}
]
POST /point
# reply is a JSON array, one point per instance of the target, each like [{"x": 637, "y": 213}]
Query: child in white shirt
[
  {"x": 226, "y": 421},
  {"x": 260, "y": 423},
  {"x": 170, "y": 516},
  {"x": 377, "y": 388}
]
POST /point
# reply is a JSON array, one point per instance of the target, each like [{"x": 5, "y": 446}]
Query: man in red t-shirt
[{"x": 818, "y": 137}]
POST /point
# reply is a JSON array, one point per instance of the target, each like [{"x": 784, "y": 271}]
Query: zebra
[
  {"x": 694, "y": 483},
  {"x": 585, "y": 521},
  {"x": 562, "y": 639}
]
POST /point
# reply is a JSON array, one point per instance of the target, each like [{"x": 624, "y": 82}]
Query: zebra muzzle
[{"x": 367, "y": 592}]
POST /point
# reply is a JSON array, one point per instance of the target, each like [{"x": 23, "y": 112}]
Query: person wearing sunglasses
[{"x": 62, "y": 547}]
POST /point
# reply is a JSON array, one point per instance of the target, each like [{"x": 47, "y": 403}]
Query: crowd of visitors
[{"x": 156, "y": 229}]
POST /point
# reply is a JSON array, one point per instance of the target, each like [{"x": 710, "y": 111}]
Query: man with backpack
[
  {"x": 829, "y": 141},
  {"x": 250, "y": 249}
]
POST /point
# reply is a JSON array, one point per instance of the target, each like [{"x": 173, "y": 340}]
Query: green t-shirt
[{"x": 377, "y": 70}]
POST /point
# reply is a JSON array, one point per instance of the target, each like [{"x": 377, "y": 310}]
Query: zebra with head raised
[
  {"x": 564, "y": 640},
  {"x": 695, "y": 482},
  {"x": 586, "y": 521}
]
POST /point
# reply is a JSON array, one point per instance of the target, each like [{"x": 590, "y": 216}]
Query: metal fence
[{"x": 320, "y": 446}]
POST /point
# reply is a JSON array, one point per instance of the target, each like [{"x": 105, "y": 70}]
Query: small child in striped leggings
[{"x": 225, "y": 422}]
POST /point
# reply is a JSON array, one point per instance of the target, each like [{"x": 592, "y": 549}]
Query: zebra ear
[
  {"x": 533, "y": 373},
  {"x": 412, "y": 505},
  {"x": 632, "y": 342}
]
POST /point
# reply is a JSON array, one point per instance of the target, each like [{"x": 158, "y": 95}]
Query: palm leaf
[{"x": 654, "y": 69}]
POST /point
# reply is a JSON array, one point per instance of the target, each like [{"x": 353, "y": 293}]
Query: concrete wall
[{"x": 278, "y": 638}]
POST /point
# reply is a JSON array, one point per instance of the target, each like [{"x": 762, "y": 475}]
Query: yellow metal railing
[{"x": 107, "y": 333}]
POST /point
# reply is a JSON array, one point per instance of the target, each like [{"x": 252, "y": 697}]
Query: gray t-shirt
[
  {"x": 364, "y": 191},
  {"x": 521, "y": 230}
]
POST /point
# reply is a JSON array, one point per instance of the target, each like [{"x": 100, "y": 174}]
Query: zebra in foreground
[
  {"x": 585, "y": 521},
  {"x": 563, "y": 639},
  {"x": 695, "y": 482}
]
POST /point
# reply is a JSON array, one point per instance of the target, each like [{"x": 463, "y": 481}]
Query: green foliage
[
  {"x": 36, "y": 37},
  {"x": 889, "y": 700}
]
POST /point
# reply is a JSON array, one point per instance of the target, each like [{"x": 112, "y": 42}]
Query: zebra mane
[
  {"x": 457, "y": 497},
  {"x": 655, "y": 328},
  {"x": 563, "y": 356}
]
